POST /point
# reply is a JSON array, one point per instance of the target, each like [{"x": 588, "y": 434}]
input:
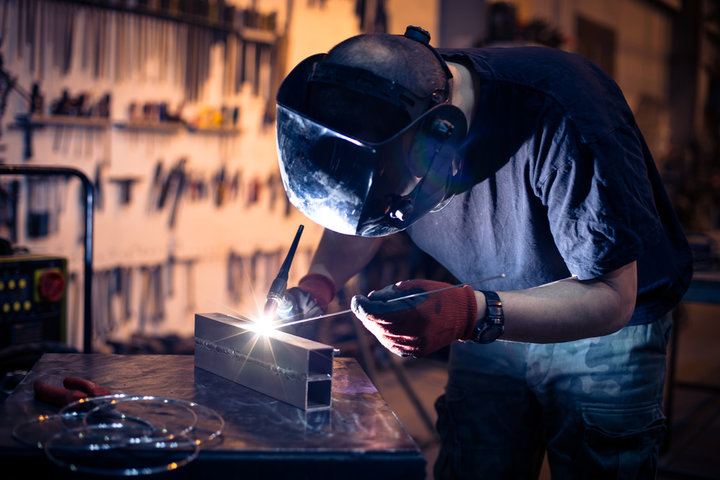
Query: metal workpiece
[{"x": 288, "y": 368}]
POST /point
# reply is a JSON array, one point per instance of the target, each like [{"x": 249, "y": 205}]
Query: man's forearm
[
  {"x": 568, "y": 309},
  {"x": 340, "y": 256}
]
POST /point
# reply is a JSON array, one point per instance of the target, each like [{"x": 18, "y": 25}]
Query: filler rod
[{"x": 396, "y": 299}]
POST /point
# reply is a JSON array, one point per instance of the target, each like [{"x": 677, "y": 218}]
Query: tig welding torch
[{"x": 279, "y": 285}]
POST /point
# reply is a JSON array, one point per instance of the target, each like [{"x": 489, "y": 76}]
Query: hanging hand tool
[
  {"x": 165, "y": 189},
  {"x": 30, "y": 30},
  {"x": 36, "y": 100},
  {"x": 125, "y": 290},
  {"x": 125, "y": 185},
  {"x": 9, "y": 195},
  {"x": 98, "y": 185},
  {"x": 235, "y": 185},
  {"x": 235, "y": 276},
  {"x": 143, "y": 308},
  {"x": 220, "y": 187},
  {"x": 42, "y": 42},
  {"x": 68, "y": 40},
  {"x": 170, "y": 274},
  {"x": 89, "y": 27},
  {"x": 179, "y": 190},
  {"x": 38, "y": 211},
  {"x": 111, "y": 298},
  {"x": 190, "y": 286},
  {"x": 22, "y": 15},
  {"x": 158, "y": 295},
  {"x": 156, "y": 187},
  {"x": 279, "y": 285}
]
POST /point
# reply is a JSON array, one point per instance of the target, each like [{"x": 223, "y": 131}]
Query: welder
[{"x": 525, "y": 161}]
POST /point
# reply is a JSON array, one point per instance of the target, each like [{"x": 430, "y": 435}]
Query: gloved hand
[
  {"x": 419, "y": 325},
  {"x": 310, "y": 298}
]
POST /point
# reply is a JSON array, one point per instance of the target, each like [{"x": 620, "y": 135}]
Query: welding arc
[{"x": 404, "y": 297}]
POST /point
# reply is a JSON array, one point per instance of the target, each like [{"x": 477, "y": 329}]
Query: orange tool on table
[{"x": 76, "y": 388}]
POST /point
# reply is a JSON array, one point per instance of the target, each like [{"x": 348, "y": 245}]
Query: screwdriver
[{"x": 279, "y": 285}]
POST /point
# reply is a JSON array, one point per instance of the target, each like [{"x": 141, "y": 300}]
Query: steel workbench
[{"x": 359, "y": 437}]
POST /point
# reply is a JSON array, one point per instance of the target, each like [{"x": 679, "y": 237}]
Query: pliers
[{"x": 75, "y": 389}]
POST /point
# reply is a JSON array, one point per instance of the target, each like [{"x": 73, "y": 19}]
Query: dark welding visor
[{"x": 358, "y": 187}]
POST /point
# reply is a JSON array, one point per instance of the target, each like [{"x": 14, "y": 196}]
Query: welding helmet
[{"x": 366, "y": 187}]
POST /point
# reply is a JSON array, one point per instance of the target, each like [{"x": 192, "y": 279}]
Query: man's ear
[{"x": 437, "y": 138}]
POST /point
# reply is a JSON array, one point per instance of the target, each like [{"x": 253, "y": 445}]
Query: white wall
[{"x": 422, "y": 13}]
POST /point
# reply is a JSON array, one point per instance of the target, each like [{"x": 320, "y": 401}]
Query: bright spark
[{"x": 262, "y": 325}]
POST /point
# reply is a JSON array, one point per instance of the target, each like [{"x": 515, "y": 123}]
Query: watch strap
[{"x": 491, "y": 325}]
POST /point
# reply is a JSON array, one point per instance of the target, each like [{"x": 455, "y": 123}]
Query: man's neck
[{"x": 462, "y": 90}]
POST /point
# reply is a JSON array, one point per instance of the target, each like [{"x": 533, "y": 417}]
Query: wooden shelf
[
  {"x": 166, "y": 127},
  {"x": 252, "y": 34},
  {"x": 216, "y": 130},
  {"x": 172, "y": 127},
  {"x": 62, "y": 121},
  {"x": 257, "y": 35},
  {"x": 25, "y": 121}
]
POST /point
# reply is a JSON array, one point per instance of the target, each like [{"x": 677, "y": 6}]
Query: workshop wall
[
  {"x": 173, "y": 123},
  {"x": 638, "y": 52}
]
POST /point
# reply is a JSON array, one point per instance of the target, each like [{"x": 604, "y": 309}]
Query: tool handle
[
  {"x": 285, "y": 267},
  {"x": 90, "y": 388},
  {"x": 56, "y": 395},
  {"x": 279, "y": 284}
]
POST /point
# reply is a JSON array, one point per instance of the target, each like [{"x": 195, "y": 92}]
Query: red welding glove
[
  {"x": 310, "y": 298},
  {"x": 418, "y": 325}
]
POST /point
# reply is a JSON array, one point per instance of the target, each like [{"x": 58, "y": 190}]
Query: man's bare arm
[
  {"x": 340, "y": 256},
  {"x": 569, "y": 309}
]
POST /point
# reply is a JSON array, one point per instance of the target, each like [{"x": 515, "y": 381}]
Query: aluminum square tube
[{"x": 286, "y": 367}]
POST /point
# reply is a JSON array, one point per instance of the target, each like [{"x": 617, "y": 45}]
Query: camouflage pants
[{"x": 594, "y": 405}]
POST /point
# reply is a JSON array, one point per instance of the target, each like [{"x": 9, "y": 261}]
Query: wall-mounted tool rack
[
  {"x": 34, "y": 121},
  {"x": 169, "y": 112},
  {"x": 115, "y": 40},
  {"x": 62, "y": 121},
  {"x": 161, "y": 127},
  {"x": 214, "y": 14},
  {"x": 28, "y": 123}
]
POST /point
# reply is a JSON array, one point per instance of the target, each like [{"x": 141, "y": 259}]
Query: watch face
[{"x": 489, "y": 333}]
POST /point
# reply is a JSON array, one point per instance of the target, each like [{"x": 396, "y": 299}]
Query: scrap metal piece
[{"x": 288, "y": 368}]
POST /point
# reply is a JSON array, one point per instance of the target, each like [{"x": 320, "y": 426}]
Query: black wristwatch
[{"x": 491, "y": 325}]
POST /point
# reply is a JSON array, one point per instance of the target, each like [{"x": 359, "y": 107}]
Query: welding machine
[{"x": 32, "y": 299}]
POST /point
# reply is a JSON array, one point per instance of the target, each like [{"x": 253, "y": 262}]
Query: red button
[{"x": 51, "y": 286}]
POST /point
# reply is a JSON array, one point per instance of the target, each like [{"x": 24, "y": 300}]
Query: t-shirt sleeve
[{"x": 599, "y": 201}]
